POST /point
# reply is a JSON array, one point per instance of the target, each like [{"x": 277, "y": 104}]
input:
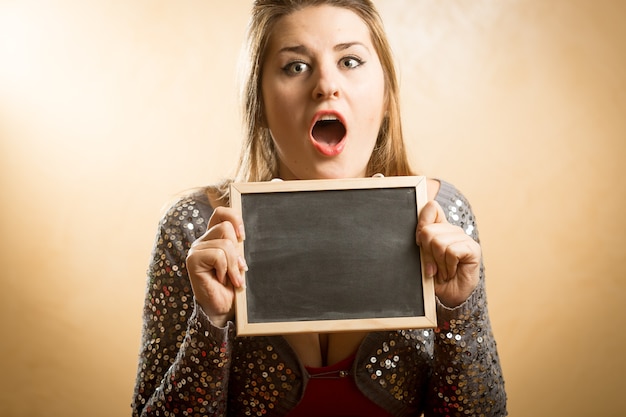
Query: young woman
[{"x": 321, "y": 101}]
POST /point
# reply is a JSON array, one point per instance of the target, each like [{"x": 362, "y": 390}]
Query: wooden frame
[{"x": 325, "y": 231}]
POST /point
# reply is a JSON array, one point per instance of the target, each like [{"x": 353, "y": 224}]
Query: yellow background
[{"x": 108, "y": 109}]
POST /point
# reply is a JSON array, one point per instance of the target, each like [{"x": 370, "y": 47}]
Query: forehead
[{"x": 319, "y": 27}]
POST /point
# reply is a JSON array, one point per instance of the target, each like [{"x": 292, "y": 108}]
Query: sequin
[{"x": 188, "y": 367}]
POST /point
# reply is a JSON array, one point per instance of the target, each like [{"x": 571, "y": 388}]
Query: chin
[
  {"x": 329, "y": 174},
  {"x": 323, "y": 170}
]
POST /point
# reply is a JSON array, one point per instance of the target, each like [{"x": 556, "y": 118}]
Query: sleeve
[
  {"x": 184, "y": 360},
  {"x": 466, "y": 375}
]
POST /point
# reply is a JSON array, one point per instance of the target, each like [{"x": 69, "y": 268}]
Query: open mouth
[{"x": 328, "y": 133}]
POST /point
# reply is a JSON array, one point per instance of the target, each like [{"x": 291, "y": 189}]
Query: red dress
[{"x": 331, "y": 391}]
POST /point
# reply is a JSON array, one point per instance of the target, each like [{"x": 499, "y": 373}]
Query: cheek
[
  {"x": 276, "y": 103},
  {"x": 372, "y": 99},
  {"x": 382, "y": 94},
  {"x": 374, "y": 106},
  {"x": 270, "y": 99}
]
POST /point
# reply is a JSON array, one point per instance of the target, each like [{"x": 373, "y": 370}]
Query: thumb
[{"x": 431, "y": 213}]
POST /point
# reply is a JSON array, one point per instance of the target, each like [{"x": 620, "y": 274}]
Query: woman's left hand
[{"x": 450, "y": 256}]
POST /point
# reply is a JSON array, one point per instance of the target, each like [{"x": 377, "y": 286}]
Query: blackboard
[{"x": 332, "y": 255}]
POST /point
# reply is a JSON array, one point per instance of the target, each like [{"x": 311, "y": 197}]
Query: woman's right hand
[{"x": 215, "y": 266}]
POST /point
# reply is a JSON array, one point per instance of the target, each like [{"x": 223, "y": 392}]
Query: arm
[
  {"x": 184, "y": 358},
  {"x": 466, "y": 373},
  {"x": 466, "y": 368}
]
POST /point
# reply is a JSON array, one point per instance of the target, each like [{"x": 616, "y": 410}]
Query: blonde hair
[{"x": 258, "y": 160}]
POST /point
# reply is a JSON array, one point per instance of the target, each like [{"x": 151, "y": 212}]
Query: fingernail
[
  {"x": 430, "y": 270},
  {"x": 242, "y": 263},
  {"x": 242, "y": 232}
]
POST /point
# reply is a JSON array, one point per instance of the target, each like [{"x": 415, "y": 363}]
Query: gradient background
[{"x": 108, "y": 109}]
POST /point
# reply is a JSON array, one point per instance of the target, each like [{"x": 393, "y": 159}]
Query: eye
[
  {"x": 295, "y": 68},
  {"x": 350, "y": 62}
]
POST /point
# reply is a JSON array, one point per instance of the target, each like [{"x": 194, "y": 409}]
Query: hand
[
  {"x": 215, "y": 266},
  {"x": 450, "y": 256}
]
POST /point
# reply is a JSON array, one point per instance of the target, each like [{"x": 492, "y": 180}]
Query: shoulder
[
  {"x": 457, "y": 207},
  {"x": 189, "y": 212}
]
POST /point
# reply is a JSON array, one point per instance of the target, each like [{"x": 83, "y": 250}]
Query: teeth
[{"x": 328, "y": 117}]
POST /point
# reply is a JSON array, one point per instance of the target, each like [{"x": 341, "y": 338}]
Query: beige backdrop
[{"x": 110, "y": 108}]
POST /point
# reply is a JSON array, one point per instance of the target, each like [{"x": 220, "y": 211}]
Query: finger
[
  {"x": 208, "y": 258},
  {"x": 431, "y": 213},
  {"x": 444, "y": 255},
  {"x": 437, "y": 242},
  {"x": 217, "y": 237},
  {"x": 429, "y": 265},
  {"x": 222, "y": 256},
  {"x": 228, "y": 214},
  {"x": 451, "y": 260},
  {"x": 424, "y": 239},
  {"x": 216, "y": 299},
  {"x": 463, "y": 251},
  {"x": 224, "y": 230}
]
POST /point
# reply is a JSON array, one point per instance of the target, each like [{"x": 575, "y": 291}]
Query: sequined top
[{"x": 189, "y": 367}]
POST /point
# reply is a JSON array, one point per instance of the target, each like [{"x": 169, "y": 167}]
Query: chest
[
  {"x": 266, "y": 378},
  {"x": 324, "y": 349}
]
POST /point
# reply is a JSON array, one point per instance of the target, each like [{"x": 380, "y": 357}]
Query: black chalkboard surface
[{"x": 332, "y": 255}]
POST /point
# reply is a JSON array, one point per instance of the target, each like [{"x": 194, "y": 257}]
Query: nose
[{"x": 326, "y": 83}]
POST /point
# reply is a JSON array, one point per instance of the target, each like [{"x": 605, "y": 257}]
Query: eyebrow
[{"x": 301, "y": 49}]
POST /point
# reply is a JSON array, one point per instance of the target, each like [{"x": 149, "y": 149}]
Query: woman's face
[{"x": 323, "y": 93}]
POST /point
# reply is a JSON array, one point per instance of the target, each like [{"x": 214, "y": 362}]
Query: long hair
[{"x": 258, "y": 159}]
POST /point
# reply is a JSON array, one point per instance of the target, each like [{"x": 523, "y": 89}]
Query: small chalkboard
[{"x": 332, "y": 255}]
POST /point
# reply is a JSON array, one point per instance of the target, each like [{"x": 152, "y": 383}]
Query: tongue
[{"x": 328, "y": 132}]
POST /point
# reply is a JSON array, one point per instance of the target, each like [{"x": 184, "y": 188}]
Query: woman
[{"x": 321, "y": 101}]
